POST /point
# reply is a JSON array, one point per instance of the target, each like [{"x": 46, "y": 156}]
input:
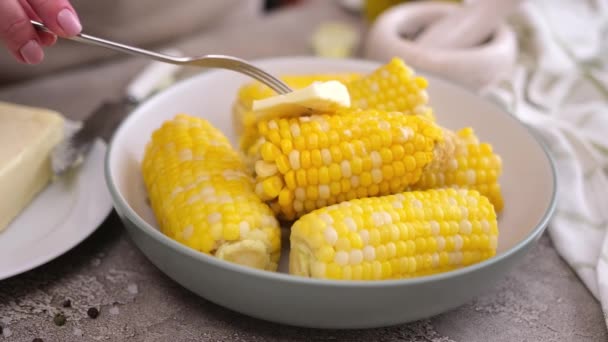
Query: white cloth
[{"x": 560, "y": 88}]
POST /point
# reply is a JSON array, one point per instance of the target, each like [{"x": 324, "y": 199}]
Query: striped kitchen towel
[{"x": 560, "y": 88}]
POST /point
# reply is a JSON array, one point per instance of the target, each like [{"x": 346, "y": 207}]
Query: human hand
[{"x": 20, "y": 37}]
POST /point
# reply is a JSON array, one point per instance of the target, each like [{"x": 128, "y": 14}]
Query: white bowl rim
[{"x": 296, "y": 280}]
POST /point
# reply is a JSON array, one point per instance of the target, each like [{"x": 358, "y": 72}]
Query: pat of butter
[
  {"x": 27, "y": 137},
  {"x": 320, "y": 97}
]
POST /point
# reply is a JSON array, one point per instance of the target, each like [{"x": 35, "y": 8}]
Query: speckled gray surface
[{"x": 540, "y": 300}]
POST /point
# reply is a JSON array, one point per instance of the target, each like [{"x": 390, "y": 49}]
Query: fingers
[
  {"x": 28, "y": 10},
  {"x": 57, "y": 15},
  {"x": 18, "y": 34},
  {"x": 46, "y": 39}
]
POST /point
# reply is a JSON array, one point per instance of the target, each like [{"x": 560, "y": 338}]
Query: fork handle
[
  {"x": 96, "y": 41},
  {"x": 211, "y": 61}
]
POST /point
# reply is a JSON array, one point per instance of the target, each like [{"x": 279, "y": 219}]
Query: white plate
[{"x": 60, "y": 217}]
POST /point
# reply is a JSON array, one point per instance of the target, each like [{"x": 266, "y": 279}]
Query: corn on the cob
[
  {"x": 203, "y": 197},
  {"x": 462, "y": 161},
  {"x": 305, "y": 163},
  {"x": 397, "y": 236}
]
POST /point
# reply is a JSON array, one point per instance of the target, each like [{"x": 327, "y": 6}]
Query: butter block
[{"x": 27, "y": 138}]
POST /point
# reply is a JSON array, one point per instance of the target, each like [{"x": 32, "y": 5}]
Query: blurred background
[
  {"x": 472, "y": 42},
  {"x": 157, "y": 24}
]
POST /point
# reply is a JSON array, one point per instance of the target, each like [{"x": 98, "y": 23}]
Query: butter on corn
[
  {"x": 306, "y": 163},
  {"x": 204, "y": 198},
  {"x": 244, "y": 120},
  {"x": 462, "y": 161},
  {"x": 322, "y": 97},
  {"x": 392, "y": 237}
]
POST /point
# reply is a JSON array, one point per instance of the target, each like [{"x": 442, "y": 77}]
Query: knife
[{"x": 106, "y": 118}]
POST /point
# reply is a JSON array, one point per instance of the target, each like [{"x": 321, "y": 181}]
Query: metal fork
[{"x": 207, "y": 61}]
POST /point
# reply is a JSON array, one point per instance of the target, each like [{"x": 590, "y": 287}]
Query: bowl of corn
[{"x": 409, "y": 202}]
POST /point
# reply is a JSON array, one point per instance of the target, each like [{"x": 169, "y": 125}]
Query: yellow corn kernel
[{"x": 271, "y": 187}]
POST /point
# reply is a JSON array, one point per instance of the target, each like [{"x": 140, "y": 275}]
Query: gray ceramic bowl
[{"x": 528, "y": 184}]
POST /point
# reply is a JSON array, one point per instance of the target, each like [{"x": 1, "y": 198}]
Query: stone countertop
[{"x": 540, "y": 300}]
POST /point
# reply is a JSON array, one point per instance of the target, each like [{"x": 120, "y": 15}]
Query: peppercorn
[
  {"x": 93, "y": 313},
  {"x": 1, "y": 330},
  {"x": 37, "y": 339},
  {"x": 59, "y": 319},
  {"x": 67, "y": 303}
]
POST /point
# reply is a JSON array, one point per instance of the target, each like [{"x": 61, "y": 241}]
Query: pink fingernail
[
  {"x": 32, "y": 52},
  {"x": 68, "y": 22}
]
